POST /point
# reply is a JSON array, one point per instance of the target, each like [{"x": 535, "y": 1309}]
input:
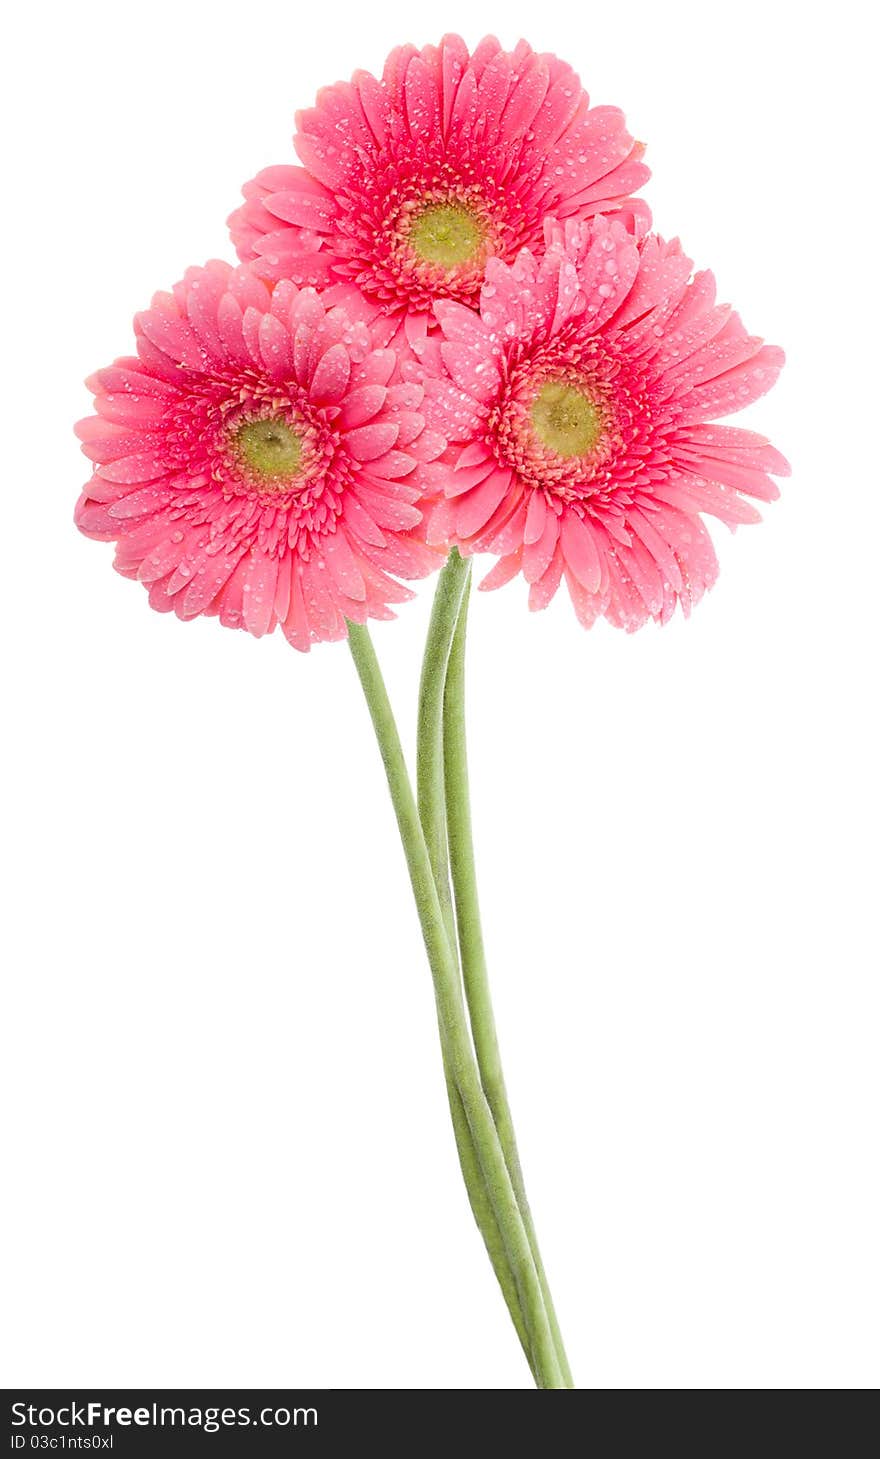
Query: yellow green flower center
[
  {"x": 269, "y": 449},
  {"x": 447, "y": 234},
  {"x": 566, "y": 419}
]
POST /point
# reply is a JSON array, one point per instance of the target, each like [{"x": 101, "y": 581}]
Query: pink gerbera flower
[
  {"x": 253, "y": 461},
  {"x": 410, "y": 184},
  {"x": 583, "y": 397}
]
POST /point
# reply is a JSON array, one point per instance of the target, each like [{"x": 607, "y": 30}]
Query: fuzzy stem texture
[
  {"x": 471, "y": 946},
  {"x": 430, "y": 794},
  {"x": 452, "y": 1019}
]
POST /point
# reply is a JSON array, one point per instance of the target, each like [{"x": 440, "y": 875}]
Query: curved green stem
[
  {"x": 483, "y": 1214},
  {"x": 470, "y": 937},
  {"x": 430, "y": 797},
  {"x": 452, "y": 1019},
  {"x": 430, "y": 781}
]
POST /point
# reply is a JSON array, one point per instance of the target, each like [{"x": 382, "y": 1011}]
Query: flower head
[
  {"x": 254, "y": 462},
  {"x": 582, "y": 401},
  {"x": 410, "y": 184}
]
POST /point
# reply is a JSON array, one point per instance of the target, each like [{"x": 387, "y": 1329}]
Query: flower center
[
  {"x": 270, "y": 450},
  {"x": 565, "y": 419},
  {"x": 447, "y": 234}
]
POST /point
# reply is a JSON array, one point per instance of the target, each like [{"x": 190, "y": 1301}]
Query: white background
[{"x": 230, "y": 1161}]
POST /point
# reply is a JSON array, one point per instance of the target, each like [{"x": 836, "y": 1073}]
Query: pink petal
[
  {"x": 542, "y": 591},
  {"x": 362, "y": 405},
  {"x": 537, "y": 556},
  {"x": 504, "y": 570},
  {"x": 474, "y": 510},
  {"x": 580, "y": 551},
  {"x": 536, "y": 517},
  {"x": 369, "y": 442},
  {"x": 275, "y": 348},
  {"x": 331, "y": 375},
  {"x": 342, "y": 565}
]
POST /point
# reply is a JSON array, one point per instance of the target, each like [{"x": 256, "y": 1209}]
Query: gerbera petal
[
  {"x": 460, "y": 481},
  {"x": 470, "y": 369},
  {"x": 312, "y": 209},
  {"x": 732, "y": 443},
  {"x": 505, "y": 569},
  {"x": 172, "y": 335},
  {"x": 735, "y": 389},
  {"x": 537, "y": 556},
  {"x": 474, "y": 510},
  {"x": 376, "y": 369},
  {"x": 544, "y": 589},
  {"x": 652, "y": 538},
  {"x": 275, "y": 347},
  {"x": 393, "y": 465},
  {"x": 371, "y": 441},
  {"x": 420, "y": 100},
  {"x": 331, "y": 376},
  {"x": 362, "y": 405},
  {"x": 536, "y": 518},
  {"x": 526, "y": 96},
  {"x": 389, "y": 513},
  {"x": 580, "y": 551},
  {"x": 361, "y": 523},
  {"x": 343, "y": 567}
]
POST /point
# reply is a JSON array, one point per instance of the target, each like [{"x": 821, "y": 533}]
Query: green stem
[
  {"x": 430, "y": 795},
  {"x": 452, "y": 1018},
  {"x": 430, "y": 781},
  {"x": 473, "y": 956},
  {"x": 483, "y": 1214}
]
